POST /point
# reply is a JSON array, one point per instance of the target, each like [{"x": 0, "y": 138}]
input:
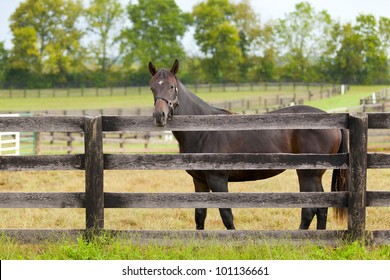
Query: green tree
[
  {"x": 266, "y": 55},
  {"x": 3, "y": 62},
  {"x": 156, "y": 32},
  {"x": 375, "y": 67},
  {"x": 302, "y": 35},
  {"x": 358, "y": 53},
  {"x": 218, "y": 38},
  {"x": 384, "y": 33},
  {"x": 65, "y": 52},
  {"x": 103, "y": 18},
  {"x": 45, "y": 36},
  {"x": 249, "y": 31},
  {"x": 344, "y": 57}
]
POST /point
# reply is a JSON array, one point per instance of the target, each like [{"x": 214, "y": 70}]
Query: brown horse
[{"x": 172, "y": 98}]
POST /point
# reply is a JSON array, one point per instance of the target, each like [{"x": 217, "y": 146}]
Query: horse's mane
[{"x": 201, "y": 102}]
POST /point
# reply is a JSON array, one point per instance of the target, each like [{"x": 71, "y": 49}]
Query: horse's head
[{"x": 165, "y": 91}]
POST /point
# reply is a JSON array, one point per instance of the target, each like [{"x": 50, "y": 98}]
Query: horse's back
[
  {"x": 297, "y": 109},
  {"x": 322, "y": 141}
]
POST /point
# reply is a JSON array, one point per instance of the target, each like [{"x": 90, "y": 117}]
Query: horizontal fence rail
[
  {"x": 230, "y": 122},
  {"x": 191, "y": 161},
  {"x": 185, "y": 123},
  {"x": 94, "y": 162},
  {"x": 191, "y": 200}
]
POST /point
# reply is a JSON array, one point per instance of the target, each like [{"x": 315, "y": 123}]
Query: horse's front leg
[
  {"x": 219, "y": 183},
  {"x": 200, "y": 213}
]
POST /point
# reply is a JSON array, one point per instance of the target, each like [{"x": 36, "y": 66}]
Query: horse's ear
[
  {"x": 175, "y": 67},
  {"x": 152, "y": 68}
]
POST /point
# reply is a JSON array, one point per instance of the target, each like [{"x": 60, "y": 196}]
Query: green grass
[
  {"x": 106, "y": 248},
  {"x": 134, "y": 100},
  {"x": 350, "y": 99}
]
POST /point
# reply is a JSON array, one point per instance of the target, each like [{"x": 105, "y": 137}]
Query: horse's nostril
[
  {"x": 158, "y": 115},
  {"x": 159, "y": 118}
]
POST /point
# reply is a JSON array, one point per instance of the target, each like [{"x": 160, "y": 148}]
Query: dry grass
[{"x": 166, "y": 219}]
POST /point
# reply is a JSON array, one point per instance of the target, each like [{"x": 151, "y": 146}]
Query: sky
[{"x": 343, "y": 10}]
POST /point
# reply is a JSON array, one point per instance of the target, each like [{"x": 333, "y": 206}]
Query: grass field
[
  {"x": 173, "y": 219},
  {"x": 145, "y": 99},
  {"x": 106, "y": 248}
]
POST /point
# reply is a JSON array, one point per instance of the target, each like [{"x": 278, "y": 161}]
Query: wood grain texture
[
  {"x": 378, "y": 199},
  {"x": 229, "y": 122},
  {"x": 42, "y": 123},
  {"x": 378, "y": 120},
  {"x": 249, "y": 161},
  {"x": 378, "y": 160},
  {"x": 189, "y": 200},
  {"x": 94, "y": 181},
  {"x": 358, "y": 131},
  {"x": 42, "y": 200},
  {"x": 167, "y": 237},
  {"x": 225, "y": 200},
  {"x": 42, "y": 162}
]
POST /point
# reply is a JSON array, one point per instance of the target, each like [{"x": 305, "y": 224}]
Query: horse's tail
[{"x": 340, "y": 178}]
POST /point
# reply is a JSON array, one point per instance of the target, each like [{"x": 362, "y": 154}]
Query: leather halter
[{"x": 172, "y": 104}]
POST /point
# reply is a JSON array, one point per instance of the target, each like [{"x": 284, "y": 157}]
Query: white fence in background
[{"x": 10, "y": 141}]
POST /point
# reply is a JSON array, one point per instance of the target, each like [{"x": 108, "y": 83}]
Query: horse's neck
[{"x": 190, "y": 104}]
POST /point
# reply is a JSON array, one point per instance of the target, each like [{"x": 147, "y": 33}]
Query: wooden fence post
[
  {"x": 94, "y": 169},
  {"x": 358, "y": 127}
]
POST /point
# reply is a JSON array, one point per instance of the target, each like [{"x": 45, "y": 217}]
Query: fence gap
[
  {"x": 94, "y": 170},
  {"x": 358, "y": 128}
]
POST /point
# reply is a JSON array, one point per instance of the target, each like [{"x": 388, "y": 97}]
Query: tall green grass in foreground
[{"x": 104, "y": 248}]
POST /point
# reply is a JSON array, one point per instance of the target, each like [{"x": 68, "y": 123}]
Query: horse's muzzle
[{"x": 160, "y": 118}]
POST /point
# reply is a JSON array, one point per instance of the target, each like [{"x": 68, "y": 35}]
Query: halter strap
[{"x": 172, "y": 104}]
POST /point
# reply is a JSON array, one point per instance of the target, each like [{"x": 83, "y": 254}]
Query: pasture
[
  {"x": 169, "y": 181},
  {"x": 171, "y": 219},
  {"x": 145, "y": 99},
  {"x": 175, "y": 219}
]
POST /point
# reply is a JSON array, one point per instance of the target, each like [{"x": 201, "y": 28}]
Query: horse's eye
[{"x": 172, "y": 86}]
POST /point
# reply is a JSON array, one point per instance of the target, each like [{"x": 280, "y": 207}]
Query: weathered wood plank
[
  {"x": 378, "y": 120},
  {"x": 94, "y": 182},
  {"x": 380, "y": 237},
  {"x": 378, "y": 160},
  {"x": 378, "y": 199},
  {"x": 377, "y": 237},
  {"x": 43, "y": 235},
  {"x": 188, "y": 200},
  {"x": 242, "y": 236},
  {"x": 358, "y": 129},
  {"x": 176, "y": 200},
  {"x": 42, "y": 123},
  {"x": 181, "y": 161},
  {"x": 166, "y": 236},
  {"x": 42, "y": 162},
  {"x": 224, "y": 161},
  {"x": 225, "y": 200},
  {"x": 42, "y": 200},
  {"x": 229, "y": 122}
]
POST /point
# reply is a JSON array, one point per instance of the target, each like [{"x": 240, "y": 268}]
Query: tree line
[{"x": 62, "y": 43}]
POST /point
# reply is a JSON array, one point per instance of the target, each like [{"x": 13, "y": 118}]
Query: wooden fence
[
  {"x": 94, "y": 162},
  {"x": 72, "y": 142}
]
